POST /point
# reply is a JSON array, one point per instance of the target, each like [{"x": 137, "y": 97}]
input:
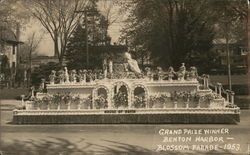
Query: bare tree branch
[{"x": 58, "y": 17}]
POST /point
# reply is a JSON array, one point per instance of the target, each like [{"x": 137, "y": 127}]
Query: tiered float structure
[{"x": 122, "y": 93}]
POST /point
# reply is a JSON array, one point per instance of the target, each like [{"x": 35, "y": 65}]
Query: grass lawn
[
  {"x": 13, "y": 93},
  {"x": 236, "y": 79}
]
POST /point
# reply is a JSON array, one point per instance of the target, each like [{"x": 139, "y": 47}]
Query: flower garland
[
  {"x": 59, "y": 99},
  {"x": 140, "y": 102},
  {"x": 157, "y": 99},
  {"x": 120, "y": 99},
  {"x": 181, "y": 97},
  {"x": 101, "y": 102}
]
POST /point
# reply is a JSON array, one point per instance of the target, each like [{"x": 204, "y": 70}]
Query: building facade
[
  {"x": 9, "y": 44},
  {"x": 8, "y": 47},
  {"x": 238, "y": 55}
]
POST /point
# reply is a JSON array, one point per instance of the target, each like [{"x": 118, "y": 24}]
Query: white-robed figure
[
  {"x": 133, "y": 65},
  {"x": 66, "y": 75}
]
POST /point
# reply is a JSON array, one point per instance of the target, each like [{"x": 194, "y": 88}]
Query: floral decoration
[
  {"x": 101, "y": 102},
  {"x": 120, "y": 99},
  {"x": 140, "y": 102}
]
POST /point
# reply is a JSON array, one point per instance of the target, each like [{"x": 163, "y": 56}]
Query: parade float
[{"x": 123, "y": 93}]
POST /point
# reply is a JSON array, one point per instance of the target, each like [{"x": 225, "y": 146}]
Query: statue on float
[
  {"x": 90, "y": 76},
  {"x": 66, "y": 75},
  {"x": 42, "y": 85},
  {"x": 132, "y": 64},
  {"x": 82, "y": 76},
  {"x": 73, "y": 76},
  {"x": 171, "y": 73},
  {"x": 61, "y": 76},
  {"x": 105, "y": 68},
  {"x": 160, "y": 73},
  {"x": 52, "y": 77},
  {"x": 149, "y": 74},
  {"x": 182, "y": 72},
  {"x": 193, "y": 74},
  {"x": 110, "y": 66}
]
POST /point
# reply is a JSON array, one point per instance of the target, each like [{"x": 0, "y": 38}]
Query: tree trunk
[
  {"x": 142, "y": 59},
  {"x": 30, "y": 66},
  {"x": 56, "y": 48},
  {"x": 56, "y": 45}
]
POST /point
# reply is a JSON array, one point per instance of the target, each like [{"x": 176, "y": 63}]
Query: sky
[{"x": 46, "y": 45}]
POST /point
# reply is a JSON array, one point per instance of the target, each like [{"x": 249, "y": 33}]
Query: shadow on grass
[
  {"x": 60, "y": 146},
  {"x": 242, "y": 101}
]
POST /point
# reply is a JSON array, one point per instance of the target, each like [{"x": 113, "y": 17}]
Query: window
[
  {"x": 13, "y": 64},
  {"x": 13, "y": 50}
]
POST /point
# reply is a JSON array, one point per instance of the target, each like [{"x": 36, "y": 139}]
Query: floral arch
[
  {"x": 145, "y": 91},
  {"x": 115, "y": 89},
  {"x": 96, "y": 94}
]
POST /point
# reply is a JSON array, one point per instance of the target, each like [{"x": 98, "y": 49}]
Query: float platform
[{"x": 129, "y": 116}]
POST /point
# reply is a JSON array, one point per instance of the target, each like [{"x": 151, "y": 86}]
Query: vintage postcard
[{"x": 124, "y": 77}]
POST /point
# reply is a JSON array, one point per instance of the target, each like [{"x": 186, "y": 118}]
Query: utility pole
[
  {"x": 87, "y": 39},
  {"x": 1, "y": 33},
  {"x": 228, "y": 62},
  {"x": 227, "y": 38},
  {"x": 248, "y": 36}
]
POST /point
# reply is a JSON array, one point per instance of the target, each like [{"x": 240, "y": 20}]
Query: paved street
[
  {"x": 103, "y": 139},
  {"x": 126, "y": 56}
]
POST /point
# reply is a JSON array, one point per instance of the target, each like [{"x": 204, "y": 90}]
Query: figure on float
[{"x": 132, "y": 64}]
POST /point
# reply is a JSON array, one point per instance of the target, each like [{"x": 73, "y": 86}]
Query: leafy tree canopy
[
  {"x": 172, "y": 30},
  {"x": 97, "y": 38}
]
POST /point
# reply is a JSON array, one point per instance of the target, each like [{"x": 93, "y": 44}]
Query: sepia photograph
[{"x": 124, "y": 77}]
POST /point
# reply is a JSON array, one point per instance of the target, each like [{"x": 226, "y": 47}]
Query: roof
[
  {"x": 41, "y": 57},
  {"x": 111, "y": 48},
  {"x": 2, "y": 56},
  {"x": 6, "y": 34}
]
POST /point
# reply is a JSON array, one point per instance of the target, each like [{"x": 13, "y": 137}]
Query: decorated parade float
[{"x": 123, "y": 93}]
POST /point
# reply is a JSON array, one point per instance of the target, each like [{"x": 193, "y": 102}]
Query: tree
[
  {"x": 13, "y": 16},
  {"x": 76, "y": 50},
  {"x": 170, "y": 30},
  {"x": 231, "y": 26},
  {"x": 110, "y": 10},
  {"x": 5, "y": 70},
  {"x": 43, "y": 72},
  {"x": 59, "y": 18},
  {"x": 140, "y": 54},
  {"x": 32, "y": 44},
  {"x": 5, "y": 66},
  {"x": 12, "y": 12},
  {"x": 98, "y": 39}
]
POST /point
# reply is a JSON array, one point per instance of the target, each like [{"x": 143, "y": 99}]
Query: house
[
  {"x": 36, "y": 61},
  {"x": 9, "y": 43},
  {"x": 9, "y": 47},
  {"x": 238, "y": 55}
]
